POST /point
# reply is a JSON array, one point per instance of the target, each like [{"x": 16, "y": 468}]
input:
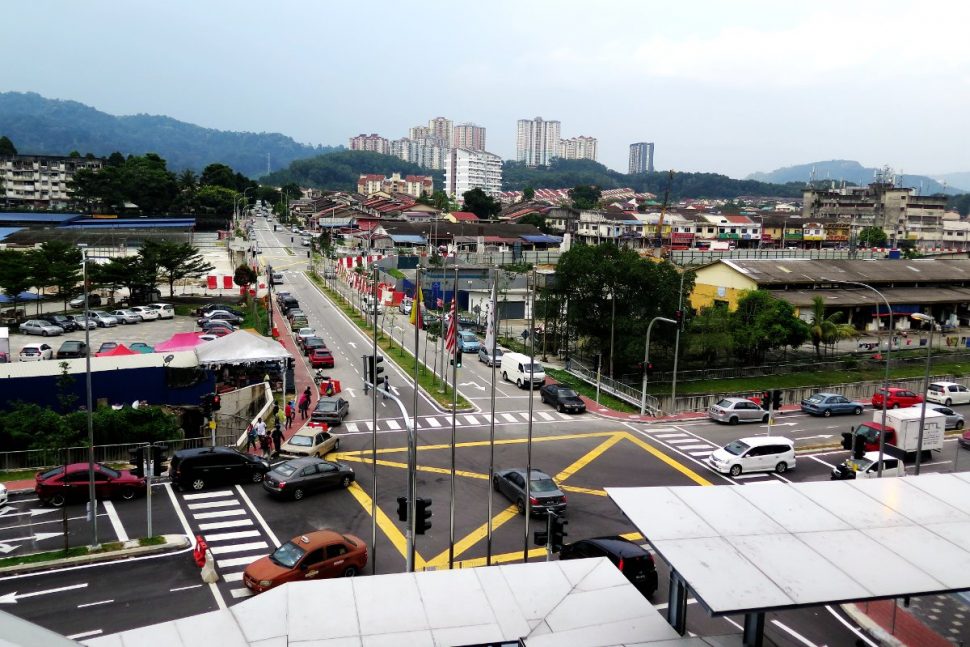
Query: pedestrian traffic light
[
  {"x": 422, "y": 515},
  {"x": 206, "y": 404},
  {"x": 402, "y": 508},
  {"x": 649, "y": 368},
  {"x": 679, "y": 317},
  {"x": 766, "y": 399},
  {"x": 558, "y": 529},
  {"x": 858, "y": 447},
  {"x": 776, "y": 399},
  {"x": 373, "y": 368},
  {"x": 457, "y": 360},
  {"x": 216, "y": 401}
]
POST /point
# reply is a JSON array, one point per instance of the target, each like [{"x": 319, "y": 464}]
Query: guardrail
[{"x": 615, "y": 388}]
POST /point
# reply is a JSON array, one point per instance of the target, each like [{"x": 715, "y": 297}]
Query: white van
[
  {"x": 757, "y": 454},
  {"x": 516, "y": 368},
  {"x": 165, "y": 310}
]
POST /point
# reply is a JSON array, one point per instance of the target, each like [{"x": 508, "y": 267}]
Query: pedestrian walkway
[{"x": 440, "y": 421}]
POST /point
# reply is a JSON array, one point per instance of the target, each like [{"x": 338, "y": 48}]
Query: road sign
[{"x": 212, "y": 425}]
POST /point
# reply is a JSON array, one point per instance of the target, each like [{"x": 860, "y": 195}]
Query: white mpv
[{"x": 757, "y": 454}]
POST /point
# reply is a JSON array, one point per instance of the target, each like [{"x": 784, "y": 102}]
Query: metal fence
[
  {"x": 617, "y": 389},
  {"x": 694, "y": 257}
]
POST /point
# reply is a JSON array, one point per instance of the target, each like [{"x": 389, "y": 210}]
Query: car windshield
[
  {"x": 467, "y": 336},
  {"x": 935, "y": 387},
  {"x": 544, "y": 485},
  {"x": 532, "y": 368},
  {"x": 326, "y": 405},
  {"x": 301, "y": 441},
  {"x": 859, "y": 464},
  {"x": 736, "y": 448},
  {"x": 816, "y": 398},
  {"x": 110, "y": 472},
  {"x": 49, "y": 473},
  {"x": 287, "y": 555},
  {"x": 724, "y": 404},
  {"x": 568, "y": 393},
  {"x": 286, "y": 469}
]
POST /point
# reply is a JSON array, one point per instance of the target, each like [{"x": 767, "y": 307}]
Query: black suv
[
  {"x": 69, "y": 325},
  {"x": 197, "y": 468},
  {"x": 72, "y": 349},
  {"x": 632, "y": 559}
]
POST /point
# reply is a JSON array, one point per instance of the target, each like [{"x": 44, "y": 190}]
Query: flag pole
[
  {"x": 490, "y": 340},
  {"x": 528, "y": 446},
  {"x": 373, "y": 543},
  {"x": 413, "y": 436},
  {"x": 453, "y": 341}
]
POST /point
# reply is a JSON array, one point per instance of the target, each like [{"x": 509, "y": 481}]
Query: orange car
[{"x": 315, "y": 555}]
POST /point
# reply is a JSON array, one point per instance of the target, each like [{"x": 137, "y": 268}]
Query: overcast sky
[{"x": 729, "y": 87}]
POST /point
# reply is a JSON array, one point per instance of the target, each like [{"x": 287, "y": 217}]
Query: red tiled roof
[
  {"x": 464, "y": 215},
  {"x": 739, "y": 220}
]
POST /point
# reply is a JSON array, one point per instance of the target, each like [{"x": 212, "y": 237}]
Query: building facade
[
  {"x": 641, "y": 157},
  {"x": 470, "y": 137},
  {"x": 413, "y": 185},
  {"x": 443, "y": 130},
  {"x": 578, "y": 148},
  {"x": 41, "y": 181},
  {"x": 536, "y": 141},
  {"x": 426, "y": 152},
  {"x": 372, "y": 142},
  {"x": 467, "y": 169}
]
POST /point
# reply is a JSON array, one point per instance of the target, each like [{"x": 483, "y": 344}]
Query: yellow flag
[{"x": 416, "y": 308}]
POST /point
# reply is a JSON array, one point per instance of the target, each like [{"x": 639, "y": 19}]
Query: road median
[{"x": 106, "y": 552}]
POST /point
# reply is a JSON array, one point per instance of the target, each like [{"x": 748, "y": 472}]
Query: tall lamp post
[
  {"x": 924, "y": 318},
  {"x": 889, "y": 346},
  {"x": 646, "y": 361},
  {"x": 90, "y": 408}
]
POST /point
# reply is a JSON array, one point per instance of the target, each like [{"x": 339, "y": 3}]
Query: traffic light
[
  {"x": 206, "y": 404},
  {"x": 847, "y": 439},
  {"x": 422, "y": 515},
  {"x": 558, "y": 530},
  {"x": 402, "y": 508},
  {"x": 541, "y": 538},
  {"x": 766, "y": 399},
  {"x": 649, "y": 368},
  {"x": 776, "y": 399},
  {"x": 858, "y": 447},
  {"x": 679, "y": 317},
  {"x": 457, "y": 357},
  {"x": 216, "y": 401},
  {"x": 373, "y": 368}
]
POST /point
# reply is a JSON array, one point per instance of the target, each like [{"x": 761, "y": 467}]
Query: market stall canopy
[
  {"x": 179, "y": 341},
  {"x": 118, "y": 351},
  {"x": 23, "y": 296},
  {"x": 240, "y": 347}
]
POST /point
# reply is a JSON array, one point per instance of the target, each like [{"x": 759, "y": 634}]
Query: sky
[{"x": 727, "y": 87}]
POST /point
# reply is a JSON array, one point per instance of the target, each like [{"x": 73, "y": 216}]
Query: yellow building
[{"x": 719, "y": 283}]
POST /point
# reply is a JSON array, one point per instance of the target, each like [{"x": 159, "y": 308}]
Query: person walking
[
  {"x": 250, "y": 437},
  {"x": 387, "y": 387},
  {"x": 304, "y": 405},
  {"x": 261, "y": 434},
  {"x": 277, "y": 439},
  {"x": 280, "y": 418},
  {"x": 288, "y": 412}
]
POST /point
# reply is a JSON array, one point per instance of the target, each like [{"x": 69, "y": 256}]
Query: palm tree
[{"x": 827, "y": 330}]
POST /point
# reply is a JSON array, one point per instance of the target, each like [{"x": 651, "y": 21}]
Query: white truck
[{"x": 901, "y": 430}]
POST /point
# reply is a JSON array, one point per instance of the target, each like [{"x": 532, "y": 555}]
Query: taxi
[
  {"x": 316, "y": 555},
  {"x": 313, "y": 439}
]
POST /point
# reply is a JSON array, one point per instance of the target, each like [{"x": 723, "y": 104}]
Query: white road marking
[
  {"x": 393, "y": 424},
  {"x": 207, "y": 495},
  {"x": 753, "y": 476},
  {"x": 178, "y": 511},
  {"x": 238, "y": 523},
  {"x": 699, "y": 454},
  {"x": 94, "y": 604},
  {"x": 227, "y": 536},
  {"x": 545, "y": 415},
  {"x": 259, "y": 517},
  {"x": 433, "y": 422},
  {"x": 235, "y": 561},
  {"x": 233, "y": 577},
  {"x": 681, "y": 441},
  {"x": 472, "y": 420},
  {"x": 185, "y": 588},
  {"x": 238, "y": 548},
  {"x": 218, "y": 596},
  {"x": 816, "y": 458},
  {"x": 794, "y": 634},
  {"x": 663, "y": 605},
  {"x": 351, "y": 427},
  {"x": 854, "y": 630},
  {"x": 85, "y": 634},
  {"x": 218, "y": 514},
  {"x": 699, "y": 446},
  {"x": 213, "y": 504},
  {"x": 509, "y": 417},
  {"x": 241, "y": 593},
  {"x": 681, "y": 435},
  {"x": 115, "y": 520}
]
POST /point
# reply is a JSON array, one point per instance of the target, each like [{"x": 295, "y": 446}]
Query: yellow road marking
[
  {"x": 680, "y": 467},
  {"x": 582, "y": 490},
  {"x": 475, "y": 536},
  {"x": 384, "y": 523},
  {"x": 588, "y": 457},
  {"x": 484, "y": 443},
  {"x": 420, "y": 468},
  {"x": 500, "y": 558}
]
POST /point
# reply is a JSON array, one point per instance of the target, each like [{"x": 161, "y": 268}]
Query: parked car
[
  {"x": 107, "y": 346},
  {"x": 429, "y": 319},
  {"x": 898, "y": 397},
  {"x": 36, "y": 352},
  {"x": 214, "y": 332},
  {"x": 331, "y": 410},
  {"x": 825, "y": 404},
  {"x": 405, "y": 306},
  {"x": 545, "y": 495},
  {"x": 301, "y": 334},
  {"x": 68, "y": 324},
  {"x": 72, "y": 349},
  {"x": 147, "y": 313},
  {"x": 219, "y": 315},
  {"x": 299, "y": 322},
  {"x": 314, "y": 555},
  {"x": 311, "y": 343},
  {"x": 165, "y": 310},
  {"x": 141, "y": 347},
  {"x": 757, "y": 454},
  {"x": 735, "y": 410},
  {"x": 56, "y": 486},
  {"x": 467, "y": 342},
  {"x": 212, "y": 307},
  {"x": 126, "y": 316},
  {"x": 964, "y": 440},
  {"x": 301, "y": 476},
  {"x": 276, "y": 278},
  {"x": 83, "y": 322},
  {"x": 485, "y": 355},
  {"x": 632, "y": 559},
  {"x": 94, "y": 300},
  {"x": 295, "y": 312},
  {"x": 562, "y": 397},
  {"x": 947, "y": 393},
  {"x": 321, "y": 358},
  {"x": 210, "y": 326},
  {"x": 40, "y": 327},
  {"x": 954, "y": 420},
  {"x": 103, "y": 318},
  {"x": 313, "y": 439},
  {"x": 202, "y": 466}
]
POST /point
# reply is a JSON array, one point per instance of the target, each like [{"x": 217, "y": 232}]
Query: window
[
  {"x": 309, "y": 470},
  {"x": 336, "y": 550},
  {"x": 314, "y": 557}
]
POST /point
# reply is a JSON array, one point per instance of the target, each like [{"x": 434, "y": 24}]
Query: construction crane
[{"x": 659, "y": 250}]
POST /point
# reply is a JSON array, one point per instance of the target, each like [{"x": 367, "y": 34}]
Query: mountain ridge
[{"x": 855, "y": 173}]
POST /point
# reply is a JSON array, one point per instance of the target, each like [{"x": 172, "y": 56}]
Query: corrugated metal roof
[
  {"x": 407, "y": 238},
  {"x": 850, "y": 297},
  {"x": 28, "y": 216},
  {"x": 542, "y": 239},
  {"x": 876, "y": 272},
  {"x": 6, "y": 231},
  {"x": 180, "y": 359}
]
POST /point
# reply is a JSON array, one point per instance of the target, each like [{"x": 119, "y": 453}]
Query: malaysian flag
[{"x": 451, "y": 338}]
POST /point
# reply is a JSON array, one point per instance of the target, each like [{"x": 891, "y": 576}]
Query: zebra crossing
[
  {"x": 232, "y": 532},
  {"x": 461, "y": 420},
  {"x": 699, "y": 449}
]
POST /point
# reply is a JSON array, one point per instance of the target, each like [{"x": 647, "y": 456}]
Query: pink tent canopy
[
  {"x": 117, "y": 351},
  {"x": 179, "y": 341}
]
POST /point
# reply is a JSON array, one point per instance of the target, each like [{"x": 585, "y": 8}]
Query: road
[{"x": 584, "y": 453}]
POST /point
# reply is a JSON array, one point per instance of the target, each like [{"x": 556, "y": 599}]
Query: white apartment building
[
  {"x": 470, "y": 137},
  {"x": 443, "y": 130},
  {"x": 466, "y": 170},
  {"x": 578, "y": 148},
  {"x": 641, "y": 158},
  {"x": 536, "y": 141},
  {"x": 41, "y": 181},
  {"x": 372, "y": 142},
  {"x": 426, "y": 152}
]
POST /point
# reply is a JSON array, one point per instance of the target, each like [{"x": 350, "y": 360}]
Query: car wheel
[
  {"x": 43, "y": 333},
  {"x": 560, "y": 408},
  {"x": 520, "y": 506},
  {"x": 518, "y": 382},
  {"x": 57, "y": 500},
  {"x": 345, "y": 482},
  {"x": 505, "y": 376},
  {"x": 257, "y": 477},
  {"x": 733, "y": 420},
  {"x": 827, "y": 413},
  {"x": 765, "y": 417},
  {"x": 128, "y": 494},
  {"x": 297, "y": 494},
  {"x": 959, "y": 424},
  {"x": 857, "y": 411},
  {"x": 198, "y": 484},
  {"x": 495, "y": 483},
  {"x": 949, "y": 402},
  {"x": 895, "y": 405},
  {"x": 350, "y": 571},
  {"x": 781, "y": 467},
  {"x": 735, "y": 470}
]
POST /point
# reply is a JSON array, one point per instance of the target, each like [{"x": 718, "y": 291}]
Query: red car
[
  {"x": 321, "y": 358},
  {"x": 55, "y": 488},
  {"x": 897, "y": 398},
  {"x": 315, "y": 555}
]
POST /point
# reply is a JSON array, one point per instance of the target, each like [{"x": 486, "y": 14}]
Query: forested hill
[
  {"x": 339, "y": 170},
  {"x": 852, "y": 172},
  {"x": 40, "y": 126}
]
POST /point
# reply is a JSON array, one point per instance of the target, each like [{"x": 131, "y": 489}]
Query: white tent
[{"x": 239, "y": 347}]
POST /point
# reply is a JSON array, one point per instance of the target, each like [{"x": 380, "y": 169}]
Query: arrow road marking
[
  {"x": 5, "y": 509},
  {"x": 352, "y": 344},
  {"x": 7, "y": 548},
  {"x": 818, "y": 436},
  {"x": 472, "y": 384},
  {"x": 12, "y": 598},
  {"x": 33, "y": 511}
]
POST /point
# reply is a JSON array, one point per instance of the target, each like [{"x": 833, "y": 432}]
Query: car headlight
[{"x": 266, "y": 582}]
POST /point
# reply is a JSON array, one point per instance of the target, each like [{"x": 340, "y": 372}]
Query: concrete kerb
[
  {"x": 870, "y": 626},
  {"x": 130, "y": 549}
]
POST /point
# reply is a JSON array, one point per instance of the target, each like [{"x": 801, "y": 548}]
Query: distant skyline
[{"x": 732, "y": 88}]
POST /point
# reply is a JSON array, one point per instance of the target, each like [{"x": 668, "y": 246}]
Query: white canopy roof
[{"x": 240, "y": 347}]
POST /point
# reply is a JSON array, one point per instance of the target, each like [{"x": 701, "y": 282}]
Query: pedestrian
[
  {"x": 304, "y": 405},
  {"x": 280, "y": 419},
  {"x": 277, "y": 440},
  {"x": 329, "y": 388},
  {"x": 387, "y": 387},
  {"x": 260, "y": 432},
  {"x": 288, "y": 412},
  {"x": 569, "y": 362},
  {"x": 264, "y": 445},
  {"x": 250, "y": 437},
  {"x": 276, "y": 408}
]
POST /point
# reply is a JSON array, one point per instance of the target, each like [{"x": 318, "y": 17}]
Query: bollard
[
  {"x": 209, "y": 574},
  {"x": 198, "y": 553}
]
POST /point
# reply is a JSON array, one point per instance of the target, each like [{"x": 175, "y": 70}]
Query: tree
[
  {"x": 762, "y": 323},
  {"x": 178, "y": 261},
  {"x": 585, "y": 196},
  {"x": 244, "y": 276},
  {"x": 215, "y": 200},
  {"x": 873, "y": 236},
  {"x": 6, "y": 147},
  {"x": 440, "y": 200},
  {"x": 481, "y": 204},
  {"x": 710, "y": 335},
  {"x": 149, "y": 184},
  {"x": 536, "y": 220},
  {"x": 528, "y": 193},
  {"x": 219, "y": 175},
  {"x": 14, "y": 273},
  {"x": 826, "y": 330},
  {"x": 115, "y": 159},
  {"x": 56, "y": 264},
  {"x": 129, "y": 272}
]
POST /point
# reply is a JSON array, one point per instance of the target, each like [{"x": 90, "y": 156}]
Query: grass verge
[
  {"x": 18, "y": 475},
  {"x": 583, "y": 388},
  {"x": 76, "y": 551},
  {"x": 430, "y": 382}
]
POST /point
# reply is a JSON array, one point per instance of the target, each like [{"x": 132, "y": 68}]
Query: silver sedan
[
  {"x": 735, "y": 410},
  {"x": 42, "y": 328},
  {"x": 126, "y": 316}
]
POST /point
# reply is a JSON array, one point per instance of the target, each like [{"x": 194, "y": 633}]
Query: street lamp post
[
  {"x": 646, "y": 361},
  {"x": 924, "y": 318},
  {"x": 92, "y": 496}
]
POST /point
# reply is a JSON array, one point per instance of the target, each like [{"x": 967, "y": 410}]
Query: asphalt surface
[{"x": 584, "y": 453}]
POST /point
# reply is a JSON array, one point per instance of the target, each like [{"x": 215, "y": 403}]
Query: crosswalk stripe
[
  {"x": 233, "y": 577},
  {"x": 700, "y": 446},
  {"x": 669, "y": 435},
  {"x": 238, "y": 523},
  {"x": 213, "y": 504},
  {"x": 697, "y": 454},
  {"x": 525, "y": 415},
  {"x": 564, "y": 416},
  {"x": 236, "y": 561},
  {"x": 238, "y": 548},
  {"x": 351, "y": 427},
  {"x": 226, "y": 536},
  {"x": 241, "y": 593},
  {"x": 208, "y": 495},
  {"x": 218, "y": 513},
  {"x": 509, "y": 417},
  {"x": 472, "y": 420},
  {"x": 752, "y": 476},
  {"x": 392, "y": 424},
  {"x": 681, "y": 441},
  {"x": 545, "y": 415},
  {"x": 433, "y": 422}
]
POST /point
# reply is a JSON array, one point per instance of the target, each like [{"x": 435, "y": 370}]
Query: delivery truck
[{"x": 901, "y": 431}]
